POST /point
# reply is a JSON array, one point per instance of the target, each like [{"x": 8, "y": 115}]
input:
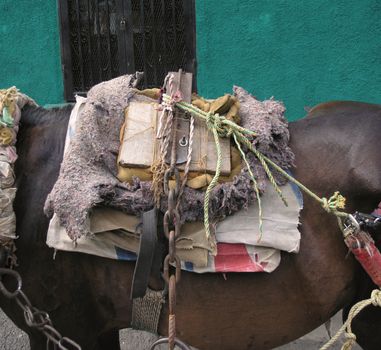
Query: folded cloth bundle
[{"x": 240, "y": 246}]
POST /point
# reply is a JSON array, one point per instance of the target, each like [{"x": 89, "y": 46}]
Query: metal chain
[
  {"x": 172, "y": 228},
  {"x": 34, "y": 317}
]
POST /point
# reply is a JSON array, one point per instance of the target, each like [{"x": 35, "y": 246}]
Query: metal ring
[
  {"x": 165, "y": 340},
  {"x": 183, "y": 142},
  {"x": 61, "y": 343},
  {"x": 172, "y": 246},
  {"x": 166, "y": 224},
  {"x": 172, "y": 200},
  {"x": 175, "y": 223},
  {"x": 36, "y": 318},
  {"x": 52, "y": 334},
  {"x": 23, "y": 301},
  {"x": 168, "y": 173},
  {"x": 166, "y": 268},
  {"x": 16, "y": 276},
  {"x": 178, "y": 181}
]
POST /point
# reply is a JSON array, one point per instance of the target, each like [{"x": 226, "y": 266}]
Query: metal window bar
[
  {"x": 101, "y": 39},
  {"x": 80, "y": 45}
]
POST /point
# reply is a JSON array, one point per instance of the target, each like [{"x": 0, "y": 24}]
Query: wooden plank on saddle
[
  {"x": 182, "y": 82},
  {"x": 204, "y": 153},
  {"x": 138, "y": 144}
]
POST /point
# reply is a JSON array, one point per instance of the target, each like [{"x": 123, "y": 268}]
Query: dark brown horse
[{"x": 88, "y": 297}]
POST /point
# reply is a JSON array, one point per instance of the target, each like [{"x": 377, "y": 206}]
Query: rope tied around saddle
[
  {"x": 165, "y": 133},
  {"x": 223, "y": 127}
]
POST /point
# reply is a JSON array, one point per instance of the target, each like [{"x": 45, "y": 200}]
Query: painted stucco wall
[
  {"x": 30, "y": 49},
  {"x": 301, "y": 52}
]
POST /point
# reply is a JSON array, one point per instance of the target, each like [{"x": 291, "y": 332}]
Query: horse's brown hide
[
  {"x": 87, "y": 297},
  {"x": 346, "y": 108},
  {"x": 367, "y": 324}
]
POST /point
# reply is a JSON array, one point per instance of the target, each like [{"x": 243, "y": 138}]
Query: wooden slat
[
  {"x": 204, "y": 153},
  {"x": 137, "y": 148},
  {"x": 140, "y": 145},
  {"x": 185, "y": 87}
]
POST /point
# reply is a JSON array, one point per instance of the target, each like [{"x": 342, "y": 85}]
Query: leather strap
[{"x": 148, "y": 242}]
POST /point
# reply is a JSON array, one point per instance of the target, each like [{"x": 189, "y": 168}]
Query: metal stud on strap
[{"x": 351, "y": 226}]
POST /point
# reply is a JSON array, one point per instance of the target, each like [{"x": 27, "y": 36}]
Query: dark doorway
[{"x": 102, "y": 39}]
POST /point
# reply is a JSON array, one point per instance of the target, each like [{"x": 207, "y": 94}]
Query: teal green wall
[
  {"x": 30, "y": 49},
  {"x": 301, "y": 52}
]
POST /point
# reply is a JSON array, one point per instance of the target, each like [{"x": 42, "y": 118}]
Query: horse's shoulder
[{"x": 344, "y": 107}]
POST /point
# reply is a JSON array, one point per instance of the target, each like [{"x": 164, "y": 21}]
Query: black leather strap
[{"x": 148, "y": 242}]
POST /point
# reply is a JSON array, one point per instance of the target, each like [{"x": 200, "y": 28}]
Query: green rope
[
  {"x": 261, "y": 158},
  {"x": 255, "y": 184},
  {"x": 222, "y": 127},
  {"x": 6, "y": 118},
  {"x": 330, "y": 205},
  {"x": 226, "y": 126},
  {"x": 214, "y": 180}
]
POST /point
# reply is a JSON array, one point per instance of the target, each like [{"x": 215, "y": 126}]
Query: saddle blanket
[{"x": 240, "y": 247}]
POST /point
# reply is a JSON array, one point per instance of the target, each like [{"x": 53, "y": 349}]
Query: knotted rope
[
  {"x": 375, "y": 300},
  {"x": 164, "y": 135},
  {"x": 222, "y": 127}
]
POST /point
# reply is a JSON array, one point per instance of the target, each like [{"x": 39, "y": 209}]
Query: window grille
[{"x": 102, "y": 39}]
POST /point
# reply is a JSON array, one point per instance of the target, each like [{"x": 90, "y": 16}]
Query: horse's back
[{"x": 347, "y": 108}]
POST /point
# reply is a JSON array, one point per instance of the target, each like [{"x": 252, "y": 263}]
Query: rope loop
[
  {"x": 375, "y": 300},
  {"x": 216, "y": 122},
  {"x": 335, "y": 202},
  {"x": 325, "y": 205},
  {"x": 230, "y": 132},
  {"x": 222, "y": 127},
  {"x": 376, "y": 297},
  {"x": 351, "y": 340},
  {"x": 210, "y": 120}
]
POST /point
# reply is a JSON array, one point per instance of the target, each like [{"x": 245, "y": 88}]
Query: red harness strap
[
  {"x": 367, "y": 254},
  {"x": 370, "y": 260}
]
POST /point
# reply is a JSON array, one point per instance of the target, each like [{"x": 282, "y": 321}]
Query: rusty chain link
[
  {"x": 172, "y": 227},
  {"x": 34, "y": 317},
  {"x": 171, "y": 224}
]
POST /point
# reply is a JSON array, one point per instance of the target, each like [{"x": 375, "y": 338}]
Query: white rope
[{"x": 374, "y": 300}]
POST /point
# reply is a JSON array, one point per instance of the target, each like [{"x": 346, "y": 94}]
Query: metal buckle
[{"x": 351, "y": 226}]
